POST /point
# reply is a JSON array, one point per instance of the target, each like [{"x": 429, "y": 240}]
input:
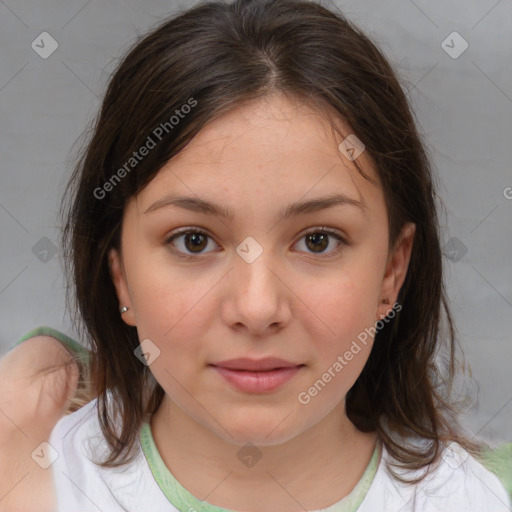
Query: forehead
[{"x": 265, "y": 153}]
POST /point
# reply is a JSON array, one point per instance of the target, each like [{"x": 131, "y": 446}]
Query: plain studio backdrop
[{"x": 454, "y": 61}]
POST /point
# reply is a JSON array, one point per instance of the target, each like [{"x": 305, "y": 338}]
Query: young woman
[{"x": 253, "y": 242}]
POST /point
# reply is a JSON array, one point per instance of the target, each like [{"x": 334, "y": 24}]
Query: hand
[{"x": 38, "y": 379}]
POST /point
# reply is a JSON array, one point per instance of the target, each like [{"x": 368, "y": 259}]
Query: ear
[
  {"x": 396, "y": 269},
  {"x": 119, "y": 280}
]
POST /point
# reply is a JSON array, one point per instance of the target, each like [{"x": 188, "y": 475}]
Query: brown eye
[
  {"x": 318, "y": 240},
  {"x": 195, "y": 242},
  {"x": 188, "y": 241}
]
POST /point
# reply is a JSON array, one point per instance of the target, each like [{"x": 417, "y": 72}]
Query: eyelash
[{"x": 189, "y": 230}]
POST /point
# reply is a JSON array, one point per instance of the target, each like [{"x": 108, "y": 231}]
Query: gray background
[{"x": 463, "y": 106}]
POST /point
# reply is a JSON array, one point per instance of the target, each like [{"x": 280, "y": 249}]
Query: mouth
[
  {"x": 257, "y": 376},
  {"x": 256, "y": 365}
]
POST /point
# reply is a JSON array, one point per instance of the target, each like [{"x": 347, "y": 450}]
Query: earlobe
[
  {"x": 396, "y": 269},
  {"x": 119, "y": 280}
]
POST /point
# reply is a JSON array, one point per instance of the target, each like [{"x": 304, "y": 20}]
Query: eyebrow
[{"x": 198, "y": 205}]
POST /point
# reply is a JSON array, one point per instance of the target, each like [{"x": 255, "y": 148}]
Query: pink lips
[{"x": 257, "y": 376}]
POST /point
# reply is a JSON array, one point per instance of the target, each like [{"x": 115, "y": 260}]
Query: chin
[{"x": 264, "y": 430}]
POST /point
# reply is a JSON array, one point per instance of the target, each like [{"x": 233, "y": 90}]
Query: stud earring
[{"x": 124, "y": 309}]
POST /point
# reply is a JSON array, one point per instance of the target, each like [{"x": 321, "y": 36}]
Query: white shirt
[{"x": 460, "y": 483}]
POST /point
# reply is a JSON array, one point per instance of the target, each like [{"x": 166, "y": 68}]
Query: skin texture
[
  {"x": 37, "y": 379},
  {"x": 291, "y": 302}
]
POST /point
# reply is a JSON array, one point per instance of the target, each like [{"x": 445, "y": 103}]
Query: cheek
[
  {"x": 172, "y": 315},
  {"x": 162, "y": 293},
  {"x": 339, "y": 320},
  {"x": 172, "y": 310},
  {"x": 340, "y": 307}
]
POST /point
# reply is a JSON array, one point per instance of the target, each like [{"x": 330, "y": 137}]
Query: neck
[{"x": 310, "y": 471}]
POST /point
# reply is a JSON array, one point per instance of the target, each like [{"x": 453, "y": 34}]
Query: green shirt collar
[{"x": 184, "y": 501}]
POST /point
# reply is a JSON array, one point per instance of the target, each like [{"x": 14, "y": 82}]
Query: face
[{"x": 281, "y": 275}]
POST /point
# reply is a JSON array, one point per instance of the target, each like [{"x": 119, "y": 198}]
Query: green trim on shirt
[
  {"x": 79, "y": 351},
  {"x": 184, "y": 501},
  {"x": 499, "y": 461}
]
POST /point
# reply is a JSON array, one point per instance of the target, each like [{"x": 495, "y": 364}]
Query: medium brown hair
[{"x": 221, "y": 55}]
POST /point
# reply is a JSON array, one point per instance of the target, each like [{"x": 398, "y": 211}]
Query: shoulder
[
  {"x": 499, "y": 461},
  {"x": 81, "y": 483},
  {"x": 457, "y": 483},
  {"x": 475, "y": 485},
  {"x": 78, "y": 439},
  {"x": 76, "y": 425},
  {"x": 78, "y": 480}
]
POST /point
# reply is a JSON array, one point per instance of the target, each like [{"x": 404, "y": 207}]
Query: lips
[
  {"x": 255, "y": 365},
  {"x": 257, "y": 375}
]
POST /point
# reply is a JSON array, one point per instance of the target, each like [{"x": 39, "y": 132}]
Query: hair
[{"x": 214, "y": 57}]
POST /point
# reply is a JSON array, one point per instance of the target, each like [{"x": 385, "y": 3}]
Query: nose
[{"x": 256, "y": 298}]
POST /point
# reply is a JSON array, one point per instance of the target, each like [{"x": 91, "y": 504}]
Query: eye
[
  {"x": 318, "y": 239},
  {"x": 193, "y": 240}
]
